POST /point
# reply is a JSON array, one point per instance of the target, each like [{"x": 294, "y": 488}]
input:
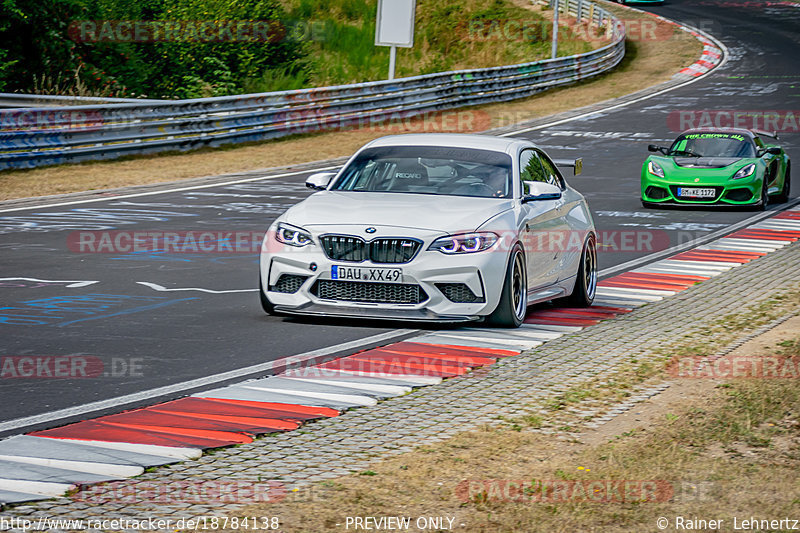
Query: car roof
[
  {"x": 740, "y": 131},
  {"x": 455, "y": 140}
]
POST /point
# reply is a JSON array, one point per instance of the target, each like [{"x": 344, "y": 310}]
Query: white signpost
[
  {"x": 395, "y": 27},
  {"x": 554, "y": 46}
]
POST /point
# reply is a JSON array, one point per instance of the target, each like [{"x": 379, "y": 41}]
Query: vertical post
[
  {"x": 580, "y": 10},
  {"x": 591, "y": 14},
  {"x": 554, "y": 48},
  {"x": 392, "y": 58}
]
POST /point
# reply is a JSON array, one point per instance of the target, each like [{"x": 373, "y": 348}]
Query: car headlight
[
  {"x": 466, "y": 243},
  {"x": 655, "y": 169},
  {"x": 745, "y": 171},
  {"x": 293, "y": 236}
]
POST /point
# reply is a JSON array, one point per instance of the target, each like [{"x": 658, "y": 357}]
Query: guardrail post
[
  {"x": 580, "y": 11},
  {"x": 591, "y": 14}
]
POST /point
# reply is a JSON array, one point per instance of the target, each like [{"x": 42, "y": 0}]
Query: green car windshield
[{"x": 712, "y": 145}]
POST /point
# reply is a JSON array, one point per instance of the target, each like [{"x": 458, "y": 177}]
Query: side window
[
  {"x": 530, "y": 167},
  {"x": 552, "y": 175}
]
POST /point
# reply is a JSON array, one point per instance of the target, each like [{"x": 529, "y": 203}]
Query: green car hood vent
[{"x": 706, "y": 162}]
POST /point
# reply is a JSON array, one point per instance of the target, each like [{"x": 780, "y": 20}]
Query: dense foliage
[
  {"x": 63, "y": 46},
  {"x": 45, "y": 48}
]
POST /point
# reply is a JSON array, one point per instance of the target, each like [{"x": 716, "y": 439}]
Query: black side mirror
[{"x": 656, "y": 148}]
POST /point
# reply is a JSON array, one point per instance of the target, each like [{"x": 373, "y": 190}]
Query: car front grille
[
  {"x": 359, "y": 291},
  {"x": 459, "y": 293},
  {"x": 382, "y": 251},
  {"x": 739, "y": 195},
  {"x": 344, "y": 248},
  {"x": 288, "y": 283},
  {"x": 656, "y": 193},
  {"x": 393, "y": 250}
]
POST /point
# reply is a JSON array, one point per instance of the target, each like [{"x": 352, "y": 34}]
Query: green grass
[{"x": 449, "y": 35}]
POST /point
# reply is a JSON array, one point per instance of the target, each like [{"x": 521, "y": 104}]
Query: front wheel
[
  {"x": 586, "y": 281},
  {"x": 513, "y": 305},
  {"x": 764, "y": 201},
  {"x": 787, "y": 183}
]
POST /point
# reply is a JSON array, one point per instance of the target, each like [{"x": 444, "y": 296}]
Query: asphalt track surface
[{"x": 137, "y": 338}]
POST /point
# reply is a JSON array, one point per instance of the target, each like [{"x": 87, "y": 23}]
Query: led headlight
[
  {"x": 745, "y": 171},
  {"x": 293, "y": 236},
  {"x": 655, "y": 169},
  {"x": 466, "y": 243}
]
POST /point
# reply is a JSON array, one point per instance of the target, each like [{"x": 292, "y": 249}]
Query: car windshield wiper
[{"x": 687, "y": 152}]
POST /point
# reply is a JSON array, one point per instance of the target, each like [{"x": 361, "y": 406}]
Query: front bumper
[
  {"x": 414, "y": 315},
  {"x": 483, "y": 273},
  {"x": 746, "y": 191}
]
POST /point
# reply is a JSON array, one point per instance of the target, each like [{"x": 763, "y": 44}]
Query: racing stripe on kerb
[{"x": 47, "y": 463}]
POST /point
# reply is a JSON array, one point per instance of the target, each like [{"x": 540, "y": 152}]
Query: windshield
[
  {"x": 712, "y": 145},
  {"x": 429, "y": 170}
]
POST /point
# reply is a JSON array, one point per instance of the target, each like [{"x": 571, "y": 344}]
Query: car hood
[
  {"x": 705, "y": 162},
  {"x": 406, "y": 210}
]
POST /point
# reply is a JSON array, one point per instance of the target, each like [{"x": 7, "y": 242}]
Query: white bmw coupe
[{"x": 441, "y": 227}]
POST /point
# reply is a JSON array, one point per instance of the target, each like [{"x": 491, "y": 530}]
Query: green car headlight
[
  {"x": 655, "y": 169},
  {"x": 745, "y": 171}
]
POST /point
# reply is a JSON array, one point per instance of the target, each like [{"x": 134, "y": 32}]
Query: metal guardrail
[
  {"x": 16, "y": 101},
  {"x": 55, "y": 135}
]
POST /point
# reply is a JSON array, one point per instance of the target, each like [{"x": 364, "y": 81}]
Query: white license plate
[
  {"x": 694, "y": 192},
  {"x": 375, "y": 275}
]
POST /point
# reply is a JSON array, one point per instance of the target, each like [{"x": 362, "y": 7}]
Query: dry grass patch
[
  {"x": 705, "y": 449},
  {"x": 647, "y": 63},
  {"x": 467, "y": 478}
]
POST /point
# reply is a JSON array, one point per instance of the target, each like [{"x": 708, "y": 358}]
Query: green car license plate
[{"x": 695, "y": 192}]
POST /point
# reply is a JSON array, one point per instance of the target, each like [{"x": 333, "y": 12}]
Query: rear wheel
[
  {"x": 266, "y": 305},
  {"x": 786, "y": 189},
  {"x": 513, "y": 305},
  {"x": 586, "y": 282}
]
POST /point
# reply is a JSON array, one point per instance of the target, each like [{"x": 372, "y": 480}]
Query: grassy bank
[
  {"x": 705, "y": 450},
  {"x": 449, "y": 35}
]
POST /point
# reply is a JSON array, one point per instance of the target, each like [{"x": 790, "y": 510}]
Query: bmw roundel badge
[{"x": 370, "y": 230}]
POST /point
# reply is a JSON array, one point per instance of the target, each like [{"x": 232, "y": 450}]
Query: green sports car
[{"x": 733, "y": 167}]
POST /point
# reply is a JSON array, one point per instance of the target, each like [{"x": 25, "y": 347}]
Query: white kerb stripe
[
  {"x": 103, "y": 469},
  {"x": 150, "y": 449},
  {"x": 388, "y": 389},
  {"x": 344, "y": 398},
  {"x": 42, "y": 488}
]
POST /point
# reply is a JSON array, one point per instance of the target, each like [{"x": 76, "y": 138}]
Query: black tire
[
  {"x": 266, "y": 305},
  {"x": 586, "y": 281},
  {"x": 513, "y": 305},
  {"x": 764, "y": 201},
  {"x": 787, "y": 185}
]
